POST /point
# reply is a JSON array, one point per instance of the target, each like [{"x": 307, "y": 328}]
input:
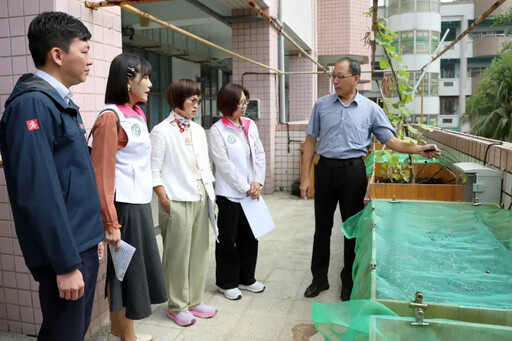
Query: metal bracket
[
  {"x": 419, "y": 310},
  {"x": 394, "y": 200},
  {"x": 373, "y": 265}
]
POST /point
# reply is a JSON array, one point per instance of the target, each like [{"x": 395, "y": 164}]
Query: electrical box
[
  {"x": 483, "y": 184},
  {"x": 253, "y": 109}
]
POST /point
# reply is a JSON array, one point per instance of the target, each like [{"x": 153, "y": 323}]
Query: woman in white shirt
[
  {"x": 183, "y": 181},
  {"x": 239, "y": 159}
]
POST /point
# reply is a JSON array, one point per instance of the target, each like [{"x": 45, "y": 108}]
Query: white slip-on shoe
[
  {"x": 255, "y": 287},
  {"x": 112, "y": 337},
  {"x": 231, "y": 294}
]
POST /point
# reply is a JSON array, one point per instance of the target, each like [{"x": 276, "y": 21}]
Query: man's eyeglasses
[
  {"x": 195, "y": 100},
  {"x": 334, "y": 76},
  {"x": 243, "y": 103}
]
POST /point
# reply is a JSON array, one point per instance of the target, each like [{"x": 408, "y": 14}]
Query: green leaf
[
  {"x": 426, "y": 127},
  {"x": 384, "y": 64},
  {"x": 412, "y": 130},
  {"x": 382, "y": 42},
  {"x": 405, "y": 111}
]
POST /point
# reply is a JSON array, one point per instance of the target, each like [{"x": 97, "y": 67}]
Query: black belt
[{"x": 340, "y": 162}]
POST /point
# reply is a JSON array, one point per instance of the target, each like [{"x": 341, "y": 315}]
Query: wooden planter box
[{"x": 448, "y": 191}]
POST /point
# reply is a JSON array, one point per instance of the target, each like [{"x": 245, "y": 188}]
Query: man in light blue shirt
[{"x": 343, "y": 123}]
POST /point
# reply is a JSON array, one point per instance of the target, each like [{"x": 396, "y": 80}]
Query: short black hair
[
  {"x": 353, "y": 65},
  {"x": 53, "y": 29},
  {"x": 122, "y": 68},
  {"x": 229, "y": 97},
  {"x": 180, "y": 90}
]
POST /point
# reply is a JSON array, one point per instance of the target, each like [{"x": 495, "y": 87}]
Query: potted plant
[{"x": 395, "y": 174}]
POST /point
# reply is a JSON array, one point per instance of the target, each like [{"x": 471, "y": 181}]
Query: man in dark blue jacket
[{"x": 50, "y": 178}]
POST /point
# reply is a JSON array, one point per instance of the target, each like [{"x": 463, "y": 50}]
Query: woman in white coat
[
  {"x": 239, "y": 158},
  {"x": 183, "y": 181}
]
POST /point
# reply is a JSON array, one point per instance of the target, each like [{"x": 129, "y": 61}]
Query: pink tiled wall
[
  {"x": 302, "y": 88},
  {"x": 324, "y": 85},
  {"x": 341, "y": 27},
  {"x": 19, "y": 302},
  {"x": 258, "y": 41}
]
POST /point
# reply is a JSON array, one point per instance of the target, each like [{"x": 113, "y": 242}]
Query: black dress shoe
[
  {"x": 314, "y": 289},
  {"x": 345, "y": 293}
]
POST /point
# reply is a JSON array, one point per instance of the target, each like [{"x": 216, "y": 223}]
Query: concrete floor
[{"x": 283, "y": 266}]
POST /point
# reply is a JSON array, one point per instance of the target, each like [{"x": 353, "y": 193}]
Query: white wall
[
  {"x": 298, "y": 15},
  {"x": 185, "y": 69},
  {"x": 454, "y": 9},
  {"x": 415, "y": 21}
]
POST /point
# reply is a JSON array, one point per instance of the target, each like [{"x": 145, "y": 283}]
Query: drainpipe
[
  {"x": 464, "y": 127},
  {"x": 282, "y": 79}
]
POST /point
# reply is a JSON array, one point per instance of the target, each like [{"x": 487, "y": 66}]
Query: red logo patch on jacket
[{"x": 32, "y": 124}]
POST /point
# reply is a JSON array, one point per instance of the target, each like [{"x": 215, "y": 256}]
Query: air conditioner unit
[
  {"x": 253, "y": 109},
  {"x": 483, "y": 184}
]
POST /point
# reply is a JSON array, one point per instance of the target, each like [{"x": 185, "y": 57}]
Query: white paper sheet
[
  {"x": 213, "y": 218},
  {"x": 258, "y": 215},
  {"x": 121, "y": 258}
]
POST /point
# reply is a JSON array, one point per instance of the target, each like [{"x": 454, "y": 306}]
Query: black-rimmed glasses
[{"x": 334, "y": 76}]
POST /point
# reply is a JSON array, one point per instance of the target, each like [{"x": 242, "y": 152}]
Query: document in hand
[
  {"x": 121, "y": 258},
  {"x": 258, "y": 216},
  {"x": 213, "y": 219}
]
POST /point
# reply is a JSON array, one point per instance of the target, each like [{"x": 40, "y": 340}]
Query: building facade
[{"x": 421, "y": 25}]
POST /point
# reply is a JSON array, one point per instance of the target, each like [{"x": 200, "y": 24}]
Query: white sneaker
[
  {"x": 255, "y": 287},
  {"x": 231, "y": 294}
]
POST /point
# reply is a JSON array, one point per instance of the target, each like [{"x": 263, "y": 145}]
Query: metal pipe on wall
[
  {"x": 282, "y": 78},
  {"x": 109, "y": 3}
]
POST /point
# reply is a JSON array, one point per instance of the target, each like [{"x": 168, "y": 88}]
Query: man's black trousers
[
  {"x": 340, "y": 182},
  {"x": 65, "y": 319}
]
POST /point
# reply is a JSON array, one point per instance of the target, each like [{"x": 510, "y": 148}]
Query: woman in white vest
[
  {"x": 121, "y": 151},
  {"x": 239, "y": 159},
  {"x": 183, "y": 181}
]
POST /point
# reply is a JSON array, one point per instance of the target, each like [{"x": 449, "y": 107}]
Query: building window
[
  {"x": 475, "y": 71},
  {"x": 434, "y": 41},
  {"x": 393, "y": 8},
  {"x": 422, "y": 41},
  {"x": 423, "y": 6},
  {"x": 407, "y": 6},
  {"x": 449, "y": 105},
  {"x": 447, "y": 70},
  {"x": 487, "y": 34},
  {"x": 406, "y": 42},
  {"x": 435, "y": 6},
  {"x": 434, "y": 84}
]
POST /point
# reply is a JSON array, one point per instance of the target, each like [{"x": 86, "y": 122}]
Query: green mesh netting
[
  {"x": 379, "y": 154},
  {"x": 350, "y": 320},
  {"x": 370, "y": 320},
  {"x": 455, "y": 253}
]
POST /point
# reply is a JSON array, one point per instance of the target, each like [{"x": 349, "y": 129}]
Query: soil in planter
[{"x": 434, "y": 181}]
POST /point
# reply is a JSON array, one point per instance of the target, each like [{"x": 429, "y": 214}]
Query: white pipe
[{"x": 425, "y": 68}]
